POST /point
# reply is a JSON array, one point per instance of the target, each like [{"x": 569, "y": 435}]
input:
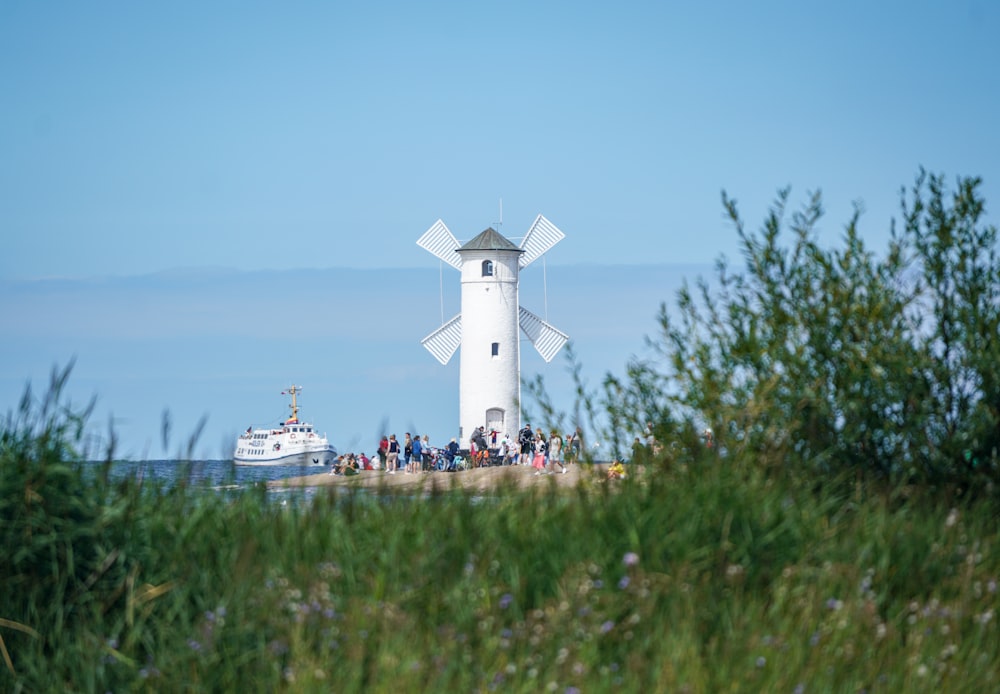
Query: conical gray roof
[{"x": 490, "y": 240}]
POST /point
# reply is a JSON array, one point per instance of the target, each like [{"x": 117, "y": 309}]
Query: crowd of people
[
  {"x": 546, "y": 453},
  {"x": 414, "y": 454}
]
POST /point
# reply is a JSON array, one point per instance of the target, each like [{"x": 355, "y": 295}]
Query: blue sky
[{"x": 147, "y": 151}]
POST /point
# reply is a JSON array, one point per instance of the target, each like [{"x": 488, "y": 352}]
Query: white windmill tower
[{"x": 487, "y": 326}]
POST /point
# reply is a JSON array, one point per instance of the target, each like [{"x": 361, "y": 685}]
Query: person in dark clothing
[
  {"x": 482, "y": 448},
  {"x": 526, "y": 440},
  {"x": 449, "y": 453}
]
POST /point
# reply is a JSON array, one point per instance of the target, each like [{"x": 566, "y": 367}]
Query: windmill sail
[
  {"x": 443, "y": 342},
  {"x": 542, "y": 236},
  {"x": 441, "y": 242},
  {"x": 546, "y": 339}
]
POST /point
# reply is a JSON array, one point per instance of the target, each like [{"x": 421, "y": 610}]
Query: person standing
[
  {"x": 416, "y": 455},
  {"x": 392, "y": 457},
  {"x": 545, "y": 445},
  {"x": 639, "y": 451},
  {"x": 574, "y": 446},
  {"x": 482, "y": 448},
  {"x": 526, "y": 440},
  {"x": 555, "y": 451},
  {"x": 474, "y": 450},
  {"x": 539, "y": 460},
  {"x": 651, "y": 441},
  {"x": 407, "y": 452},
  {"x": 383, "y": 449}
]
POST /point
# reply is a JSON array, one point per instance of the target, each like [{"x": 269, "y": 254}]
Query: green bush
[
  {"x": 694, "y": 577},
  {"x": 820, "y": 361}
]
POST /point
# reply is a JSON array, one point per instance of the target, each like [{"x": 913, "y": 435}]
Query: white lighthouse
[{"x": 487, "y": 327}]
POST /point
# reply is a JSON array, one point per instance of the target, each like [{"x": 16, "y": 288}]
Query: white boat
[{"x": 294, "y": 443}]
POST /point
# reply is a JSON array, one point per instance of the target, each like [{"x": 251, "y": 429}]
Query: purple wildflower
[
  {"x": 607, "y": 626},
  {"x": 623, "y": 584},
  {"x": 505, "y": 600},
  {"x": 630, "y": 559}
]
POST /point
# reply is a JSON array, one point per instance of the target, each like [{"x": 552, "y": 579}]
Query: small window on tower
[
  {"x": 496, "y": 349},
  {"x": 487, "y": 268}
]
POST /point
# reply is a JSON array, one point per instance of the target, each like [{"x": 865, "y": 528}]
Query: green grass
[{"x": 711, "y": 577}]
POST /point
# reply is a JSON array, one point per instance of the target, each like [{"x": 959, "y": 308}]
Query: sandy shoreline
[{"x": 479, "y": 479}]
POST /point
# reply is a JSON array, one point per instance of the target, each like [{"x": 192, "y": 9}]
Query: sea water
[{"x": 222, "y": 474}]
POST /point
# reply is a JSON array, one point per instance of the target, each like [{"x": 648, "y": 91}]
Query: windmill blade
[
  {"x": 542, "y": 236},
  {"x": 443, "y": 342},
  {"x": 441, "y": 242},
  {"x": 546, "y": 339}
]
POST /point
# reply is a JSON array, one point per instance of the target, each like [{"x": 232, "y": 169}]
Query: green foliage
[
  {"x": 959, "y": 293},
  {"x": 690, "y": 577},
  {"x": 816, "y": 361}
]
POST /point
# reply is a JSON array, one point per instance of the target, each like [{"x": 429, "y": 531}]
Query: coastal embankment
[{"x": 477, "y": 479}]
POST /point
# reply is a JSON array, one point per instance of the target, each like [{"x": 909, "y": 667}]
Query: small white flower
[{"x": 952, "y": 518}]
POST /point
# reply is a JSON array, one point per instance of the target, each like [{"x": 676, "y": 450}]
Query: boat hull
[
  {"x": 284, "y": 447},
  {"x": 301, "y": 458}
]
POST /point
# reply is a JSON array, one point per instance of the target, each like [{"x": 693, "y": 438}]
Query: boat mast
[{"x": 293, "y": 391}]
